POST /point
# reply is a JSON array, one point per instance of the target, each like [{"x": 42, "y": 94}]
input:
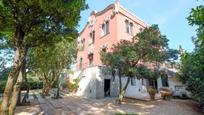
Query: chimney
[{"x": 117, "y": 2}]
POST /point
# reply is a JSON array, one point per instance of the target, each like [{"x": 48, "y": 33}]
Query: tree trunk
[
  {"x": 48, "y": 84},
  {"x": 58, "y": 88},
  {"x": 122, "y": 91},
  {"x": 10, "y": 82},
  {"x": 19, "y": 98},
  {"x": 27, "y": 91},
  {"x": 18, "y": 60},
  {"x": 120, "y": 82},
  {"x": 17, "y": 89},
  {"x": 45, "y": 90}
]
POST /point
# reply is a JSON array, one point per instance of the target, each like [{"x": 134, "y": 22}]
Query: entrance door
[{"x": 107, "y": 87}]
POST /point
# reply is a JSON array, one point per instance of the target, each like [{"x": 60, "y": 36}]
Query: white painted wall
[
  {"x": 138, "y": 91},
  {"x": 92, "y": 84}
]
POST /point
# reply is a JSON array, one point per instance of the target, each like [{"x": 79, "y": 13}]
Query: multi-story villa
[{"x": 103, "y": 29}]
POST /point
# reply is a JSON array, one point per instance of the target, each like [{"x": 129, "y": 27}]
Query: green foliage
[
  {"x": 192, "y": 64},
  {"x": 27, "y": 24},
  {"x": 48, "y": 62},
  {"x": 149, "y": 47},
  {"x": 140, "y": 57},
  {"x": 196, "y": 18},
  {"x": 55, "y": 58},
  {"x": 74, "y": 85},
  {"x": 2, "y": 85},
  {"x": 3, "y": 78},
  {"x": 191, "y": 73},
  {"x": 38, "y": 21},
  {"x": 32, "y": 85}
]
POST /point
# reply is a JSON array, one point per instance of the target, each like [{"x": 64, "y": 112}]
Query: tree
[
  {"x": 49, "y": 62},
  {"x": 135, "y": 58},
  {"x": 26, "y": 24},
  {"x": 192, "y": 64}
]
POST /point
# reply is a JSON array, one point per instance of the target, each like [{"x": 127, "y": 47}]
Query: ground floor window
[
  {"x": 165, "y": 81},
  {"x": 133, "y": 81}
]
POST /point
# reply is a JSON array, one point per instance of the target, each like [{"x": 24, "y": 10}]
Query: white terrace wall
[
  {"x": 139, "y": 90},
  {"x": 92, "y": 83}
]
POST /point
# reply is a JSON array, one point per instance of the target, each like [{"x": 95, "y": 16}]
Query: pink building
[{"x": 103, "y": 29}]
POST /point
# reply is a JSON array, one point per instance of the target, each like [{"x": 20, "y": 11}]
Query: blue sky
[{"x": 170, "y": 15}]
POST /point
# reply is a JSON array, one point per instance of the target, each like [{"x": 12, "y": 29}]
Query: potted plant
[
  {"x": 152, "y": 92},
  {"x": 166, "y": 93}
]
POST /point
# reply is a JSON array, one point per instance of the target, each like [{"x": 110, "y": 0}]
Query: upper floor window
[
  {"x": 90, "y": 56},
  {"x": 91, "y": 37},
  {"x": 141, "y": 29},
  {"x": 105, "y": 28},
  {"x": 104, "y": 49},
  {"x": 129, "y": 27},
  {"x": 83, "y": 43},
  {"x": 80, "y": 63}
]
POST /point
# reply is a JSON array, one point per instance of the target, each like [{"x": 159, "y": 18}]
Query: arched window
[
  {"x": 129, "y": 27},
  {"x": 81, "y": 63},
  {"x": 105, "y": 28}
]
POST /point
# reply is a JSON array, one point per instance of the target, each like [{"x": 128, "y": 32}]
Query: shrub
[
  {"x": 33, "y": 85},
  {"x": 73, "y": 86},
  {"x": 152, "y": 92},
  {"x": 2, "y": 85},
  {"x": 166, "y": 93}
]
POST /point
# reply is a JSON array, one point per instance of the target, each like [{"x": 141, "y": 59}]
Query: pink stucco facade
[{"x": 116, "y": 21}]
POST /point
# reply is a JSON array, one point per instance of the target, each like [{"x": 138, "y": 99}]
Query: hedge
[{"x": 33, "y": 85}]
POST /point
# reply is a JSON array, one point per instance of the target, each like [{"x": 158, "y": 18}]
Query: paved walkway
[
  {"x": 72, "y": 105},
  {"x": 81, "y": 106}
]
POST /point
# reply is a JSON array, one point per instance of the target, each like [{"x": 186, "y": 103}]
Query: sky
[{"x": 170, "y": 15}]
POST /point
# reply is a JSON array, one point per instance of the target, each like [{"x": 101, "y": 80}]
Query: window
[
  {"x": 104, "y": 49},
  {"x": 92, "y": 37},
  {"x": 133, "y": 81},
  {"x": 165, "y": 81},
  {"x": 141, "y": 28},
  {"x": 105, "y": 28},
  {"x": 129, "y": 27},
  {"x": 81, "y": 62},
  {"x": 90, "y": 60},
  {"x": 82, "y": 43}
]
